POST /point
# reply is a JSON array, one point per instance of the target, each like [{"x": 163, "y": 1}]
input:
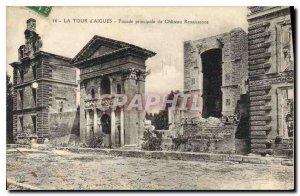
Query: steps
[{"x": 130, "y": 147}]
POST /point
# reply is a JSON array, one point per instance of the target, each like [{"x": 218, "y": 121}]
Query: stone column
[
  {"x": 131, "y": 117},
  {"x": 100, "y": 126},
  {"x": 113, "y": 127},
  {"x": 170, "y": 116},
  {"x": 96, "y": 132},
  {"x": 122, "y": 126},
  {"x": 82, "y": 113},
  {"x": 142, "y": 113},
  {"x": 87, "y": 124}
]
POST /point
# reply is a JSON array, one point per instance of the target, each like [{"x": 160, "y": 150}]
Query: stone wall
[
  {"x": 233, "y": 45},
  {"x": 242, "y": 146},
  {"x": 62, "y": 93},
  {"x": 271, "y": 74},
  {"x": 64, "y": 128},
  {"x": 50, "y": 73},
  {"x": 62, "y": 71},
  {"x": 209, "y": 136}
]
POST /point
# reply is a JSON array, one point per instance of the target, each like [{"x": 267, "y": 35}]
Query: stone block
[
  {"x": 260, "y": 128},
  {"x": 219, "y": 157},
  {"x": 257, "y": 113},
  {"x": 256, "y": 41},
  {"x": 257, "y": 30},
  {"x": 258, "y": 141},
  {"x": 255, "y": 93},
  {"x": 249, "y": 159},
  {"x": 258, "y": 35},
  {"x": 287, "y": 162},
  {"x": 202, "y": 156},
  {"x": 259, "y": 45},
  {"x": 260, "y": 118},
  {"x": 258, "y": 123},
  {"x": 263, "y": 24},
  {"x": 258, "y": 145},
  {"x": 259, "y": 98},
  {"x": 257, "y": 72},
  {"x": 235, "y": 158}
]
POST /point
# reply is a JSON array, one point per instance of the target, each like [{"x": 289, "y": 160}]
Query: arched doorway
[
  {"x": 106, "y": 123},
  {"x": 105, "y": 86},
  {"x": 212, "y": 82}
]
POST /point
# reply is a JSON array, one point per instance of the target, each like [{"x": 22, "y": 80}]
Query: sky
[{"x": 67, "y": 39}]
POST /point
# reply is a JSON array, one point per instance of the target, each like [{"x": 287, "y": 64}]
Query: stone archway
[
  {"x": 212, "y": 83},
  {"x": 106, "y": 124}
]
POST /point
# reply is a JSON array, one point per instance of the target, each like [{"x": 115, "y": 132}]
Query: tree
[
  {"x": 9, "y": 110},
  {"x": 161, "y": 120}
]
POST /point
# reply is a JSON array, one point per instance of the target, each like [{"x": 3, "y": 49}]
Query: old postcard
[{"x": 150, "y": 98}]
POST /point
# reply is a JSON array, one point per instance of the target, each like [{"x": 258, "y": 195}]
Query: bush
[
  {"x": 95, "y": 142},
  {"x": 179, "y": 141},
  {"x": 23, "y": 141},
  {"x": 152, "y": 141}
]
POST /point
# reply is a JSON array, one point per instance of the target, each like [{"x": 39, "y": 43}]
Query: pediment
[
  {"x": 97, "y": 46},
  {"x": 102, "y": 50},
  {"x": 102, "y": 47}
]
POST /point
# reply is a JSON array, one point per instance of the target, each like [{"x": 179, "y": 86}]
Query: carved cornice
[{"x": 134, "y": 74}]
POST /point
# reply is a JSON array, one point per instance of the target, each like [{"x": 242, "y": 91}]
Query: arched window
[
  {"x": 93, "y": 93},
  {"x": 105, "y": 86}
]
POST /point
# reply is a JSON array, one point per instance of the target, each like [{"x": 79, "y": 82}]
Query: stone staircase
[
  {"x": 284, "y": 147},
  {"x": 130, "y": 148},
  {"x": 208, "y": 128}
]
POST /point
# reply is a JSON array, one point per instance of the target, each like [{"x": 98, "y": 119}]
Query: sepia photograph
[{"x": 150, "y": 98}]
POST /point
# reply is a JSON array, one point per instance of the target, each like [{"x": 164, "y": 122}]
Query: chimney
[{"x": 31, "y": 24}]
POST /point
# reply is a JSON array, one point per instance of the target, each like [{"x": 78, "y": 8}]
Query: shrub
[
  {"x": 23, "y": 141},
  {"x": 179, "y": 141},
  {"x": 152, "y": 140},
  {"x": 94, "y": 142}
]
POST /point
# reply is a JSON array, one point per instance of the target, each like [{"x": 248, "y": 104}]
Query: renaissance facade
[
  {"x": 110, "y": 67},
  {"x": 271, "y": 79},
  {"x": 44, "y": 91},
  {"x": 46, "y": 88}
]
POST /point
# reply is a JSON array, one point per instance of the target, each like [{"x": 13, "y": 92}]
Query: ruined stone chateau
[{"x": 245, "y": 81}]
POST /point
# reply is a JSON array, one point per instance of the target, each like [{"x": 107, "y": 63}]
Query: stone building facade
[
  {"x": 271, "y": 79},
  {"x": 111, "y": 67},
  {"x": 244, "y": 79},
  {"x": 244, "y": 83},
  {"x": 215, "y": 68},
  {"x": 44, "y": 91}
]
